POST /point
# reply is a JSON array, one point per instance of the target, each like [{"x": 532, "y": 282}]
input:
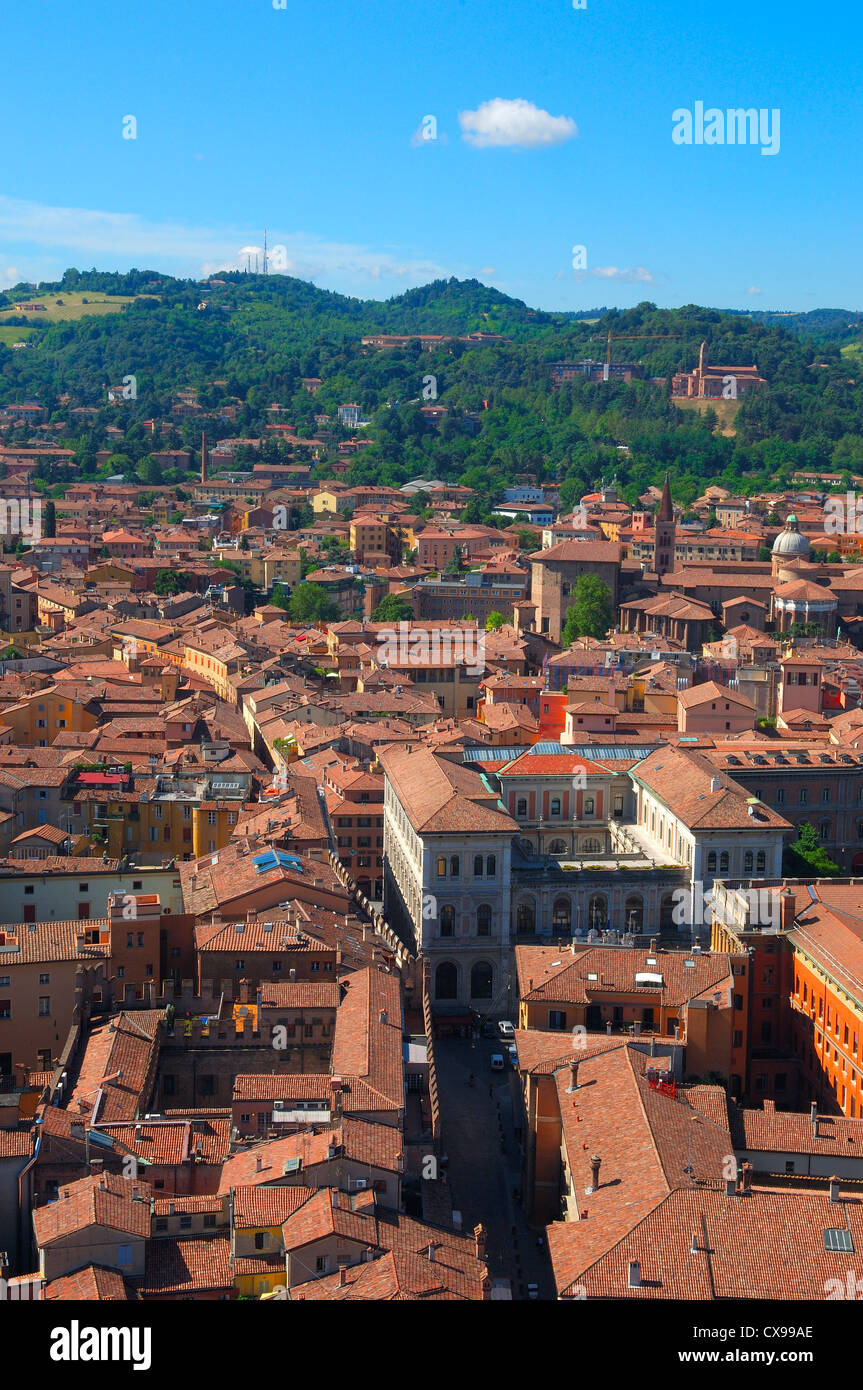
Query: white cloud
[
  {"x": 10, "y": 275},
  {"x": 639, "y": 275},
  {"x": 487, "y": 270},
  {"x": 517, "y": 124},
  {"x": 127, "y": 238},
  {"x": 753, "y": 289}
]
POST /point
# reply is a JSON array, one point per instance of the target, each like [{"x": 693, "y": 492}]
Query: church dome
[{"x": 790, "y": 542}]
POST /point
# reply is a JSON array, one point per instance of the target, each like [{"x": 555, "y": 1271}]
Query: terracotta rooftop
[{"x": 106, "y": 1199}]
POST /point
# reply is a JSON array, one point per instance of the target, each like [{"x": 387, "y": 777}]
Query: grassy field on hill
[
  {"x": 69, "y": 305},
  {"x": 10, "y": 335}
]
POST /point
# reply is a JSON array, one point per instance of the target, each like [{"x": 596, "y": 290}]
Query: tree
[
  {"x": 280, "y": 598},
  {"x": 310, "y": 603},
  {"x": 454, "y": 562},
  {"x": 393, "y": 608},
  {"x": 494, "y": 621},
  {"x": 806, "y": 857},
  {"x": 49, "y": 521},
  {"x": 590, "y": 615},
  {"x": 167, "y": 582}
]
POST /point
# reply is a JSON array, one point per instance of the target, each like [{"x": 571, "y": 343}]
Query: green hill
[{"x": 260, "y": 335}]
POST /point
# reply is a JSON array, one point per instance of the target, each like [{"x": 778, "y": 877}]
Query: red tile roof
[
  {"x": 187, "y": 1266},
  {"x": 106, "y": 1199}
]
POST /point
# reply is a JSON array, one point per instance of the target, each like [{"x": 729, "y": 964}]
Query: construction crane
[{"x": 630, "y": 337}]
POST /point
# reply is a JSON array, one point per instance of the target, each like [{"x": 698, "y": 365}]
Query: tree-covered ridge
[{"x": 261, "y": 335}]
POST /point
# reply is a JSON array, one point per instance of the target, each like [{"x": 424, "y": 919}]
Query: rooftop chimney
[
  {"x": 746, "y": 1171},
  {"x": 693, "y": 1246},
  {"x": 479, "y": 1236},
  {"x": 573, "y": 1076},
  {"x": 343, "y": 1276},
  {"x": 731, "y": 1187},
  {"x": 834, "y": 1189},
  {"x": 788, "y": 907},
  {"x": 384, "y": 1016},
  {"x": 432, "y": 1247},
  {"x": 334, "y": 1197},
  {"x": 594, "y": 1174},
  {"x": 634, "y": 1279}
]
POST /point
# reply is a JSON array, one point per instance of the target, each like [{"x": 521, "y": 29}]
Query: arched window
[
  {"x": 481, "y": 978},
  {"x": 454, "y": 869},
  {"x": 446, "y": 981},
  {"x": 723, "y": 862},
  {"x": 561, "y": 915},
  {"x": 525, "y": 917},
  {"x": 666, "y": 913},
  {"x": 633, "y": 913},
  {"x": 483, "y": 920},
  {"x": 711, "y": 862},
  {"x": 447, "y": 921},
  {"x": 760, "y": 862},
  {"x": 554, "y": 809},
  {"x": 490, "y": 865},
  {"x": 591, "y": 847},
  {"x": 477, "y": 866},
  {"x": 748, "y": 861},
  {"x": 597, "y": 911},
  {"x": 557, "y": 847}
]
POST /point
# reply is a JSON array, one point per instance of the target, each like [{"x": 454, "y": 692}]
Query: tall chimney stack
[{"x": 594, "y": 1174}]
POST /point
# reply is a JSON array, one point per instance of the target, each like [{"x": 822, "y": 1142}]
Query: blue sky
[{"x": 307, "y": 120}]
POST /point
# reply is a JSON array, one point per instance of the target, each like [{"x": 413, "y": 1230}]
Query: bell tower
[{"x": 665, "y": 533}]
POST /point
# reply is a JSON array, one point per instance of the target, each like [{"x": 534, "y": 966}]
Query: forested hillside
[{"x": 261, "y": 335}]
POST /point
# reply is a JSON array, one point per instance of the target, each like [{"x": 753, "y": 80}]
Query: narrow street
[{"x": 485, "y": 1162}]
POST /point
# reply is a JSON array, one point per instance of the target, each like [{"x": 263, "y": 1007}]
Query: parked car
[
  {"x": 506, "y": 1029},
  {"x": 497, "y": 1061},
  {"x": 512, "y": 1054},
  {"x": 488, "y": 1029}
]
